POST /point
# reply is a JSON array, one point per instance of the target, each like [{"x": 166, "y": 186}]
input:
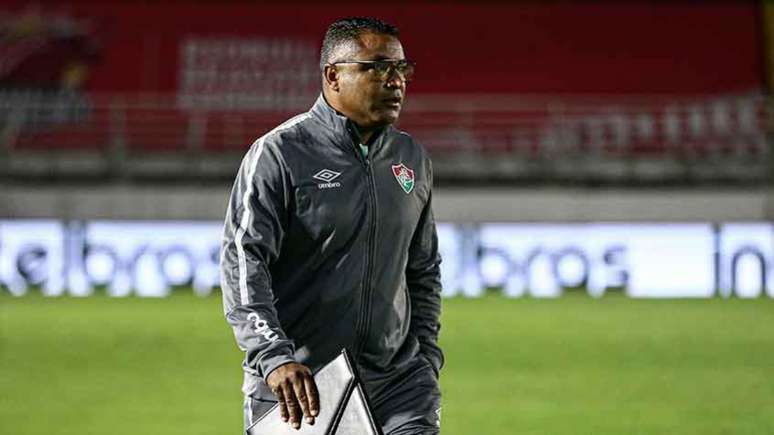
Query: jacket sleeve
[
  {"x": 253, "y": 231},
  {"x": 423, "y": 276}
]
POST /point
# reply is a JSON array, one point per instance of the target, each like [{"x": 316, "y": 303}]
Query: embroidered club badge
[{"x": 405, "y": 177}]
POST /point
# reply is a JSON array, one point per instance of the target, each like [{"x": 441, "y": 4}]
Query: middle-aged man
[{"x": 330, "y": 243}]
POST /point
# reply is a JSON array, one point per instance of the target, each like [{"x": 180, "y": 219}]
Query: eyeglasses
[{"x": 383, "y": 69}]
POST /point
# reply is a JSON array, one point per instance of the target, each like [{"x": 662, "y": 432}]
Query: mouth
[{"x": 394, "y": 102}]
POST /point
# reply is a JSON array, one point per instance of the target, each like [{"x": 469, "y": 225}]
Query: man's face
[{"x": 364, "y": 97}]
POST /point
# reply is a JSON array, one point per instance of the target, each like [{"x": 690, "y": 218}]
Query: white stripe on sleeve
[{"x": 247, "y": 216}]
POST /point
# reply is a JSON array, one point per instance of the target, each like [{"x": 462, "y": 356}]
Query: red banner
[{"x": 460, "y": 48}]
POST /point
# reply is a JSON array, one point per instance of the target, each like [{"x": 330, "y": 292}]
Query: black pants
[{"x": 409, "y": 404}]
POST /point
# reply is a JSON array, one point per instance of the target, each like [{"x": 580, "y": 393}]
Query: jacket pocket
[
  {"x": 399, "y": 380},
  {"x": 436, "y": 371}
]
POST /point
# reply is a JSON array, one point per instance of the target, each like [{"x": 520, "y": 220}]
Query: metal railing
[{"x": 679, "y": 139}]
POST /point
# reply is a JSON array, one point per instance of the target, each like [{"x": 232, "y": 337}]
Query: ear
[{"x": 331, "y": 77}]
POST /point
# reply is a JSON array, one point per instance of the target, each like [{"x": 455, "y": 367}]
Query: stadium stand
[
  {"x": 618, "y": 139},
  {"x": 541, "y": 94}
]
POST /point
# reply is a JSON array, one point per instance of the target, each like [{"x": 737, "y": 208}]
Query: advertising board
[{"x": 153, "y": 258}]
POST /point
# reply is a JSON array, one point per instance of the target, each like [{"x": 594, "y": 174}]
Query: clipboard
[{"x": 344, "y": 408}]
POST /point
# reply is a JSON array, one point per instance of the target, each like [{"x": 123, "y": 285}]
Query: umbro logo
[
  {"x": 327, "y": 176},
  {"x": 261, "y": 327}
]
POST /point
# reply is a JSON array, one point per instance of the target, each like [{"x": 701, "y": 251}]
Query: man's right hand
[{"x": 296, "y": 392}]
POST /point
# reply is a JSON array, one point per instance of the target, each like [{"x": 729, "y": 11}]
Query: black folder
[{"x": 344, "y": 406}]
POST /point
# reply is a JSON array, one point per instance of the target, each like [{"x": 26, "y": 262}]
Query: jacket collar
[
  {"x": 337, "y": 122},
  {"x": 330, "y": 117}
]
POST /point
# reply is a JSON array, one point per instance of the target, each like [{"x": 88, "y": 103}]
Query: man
[{"x": 330, "y": 243}]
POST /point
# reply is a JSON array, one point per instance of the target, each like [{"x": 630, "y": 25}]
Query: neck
[{"x": 365, "y": 134}]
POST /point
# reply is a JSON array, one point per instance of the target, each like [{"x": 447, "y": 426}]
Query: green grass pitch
[{"x": 571, "y": 366}]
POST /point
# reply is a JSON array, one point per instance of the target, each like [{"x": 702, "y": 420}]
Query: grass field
[{"x": 568, "y": 366}]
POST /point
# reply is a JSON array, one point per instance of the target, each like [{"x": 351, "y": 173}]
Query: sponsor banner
[
  {"x": 658, "y": 260},
  {"x": 686, "y": 260},
  {"x": 746, "y": 260},
  {"x": 123, "y": 258},
  {"x": 32, "y": 254},
  {"x": 148, "y": 259}
]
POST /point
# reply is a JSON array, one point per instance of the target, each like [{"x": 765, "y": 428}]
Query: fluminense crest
[{"x": 405, "y": 177}]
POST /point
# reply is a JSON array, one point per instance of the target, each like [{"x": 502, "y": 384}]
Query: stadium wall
[{"x": 159, "y": 202}]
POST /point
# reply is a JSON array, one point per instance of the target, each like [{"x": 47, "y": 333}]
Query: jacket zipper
[{"x": 364, "y": 319}]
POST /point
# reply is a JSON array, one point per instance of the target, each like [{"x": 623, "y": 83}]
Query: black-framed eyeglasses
[{"x": 383, "y": 69}]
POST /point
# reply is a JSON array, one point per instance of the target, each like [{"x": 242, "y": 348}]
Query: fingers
[
  {"x": 312, "y": 395},
  {"x": 291, "y": 402},
  {"x": 296, "y": 392},
  {"x": 301, "y": 390},
  {"x": 281, "y": 403}
]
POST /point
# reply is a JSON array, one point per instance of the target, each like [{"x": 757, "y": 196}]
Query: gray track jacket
[{"x": 325, "y": 249}]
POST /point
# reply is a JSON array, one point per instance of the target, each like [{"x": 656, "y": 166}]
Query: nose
[{"x": 395, "y": 80}]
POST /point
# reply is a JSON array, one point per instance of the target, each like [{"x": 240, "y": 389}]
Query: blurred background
[{"x": 604, "y": 191}]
